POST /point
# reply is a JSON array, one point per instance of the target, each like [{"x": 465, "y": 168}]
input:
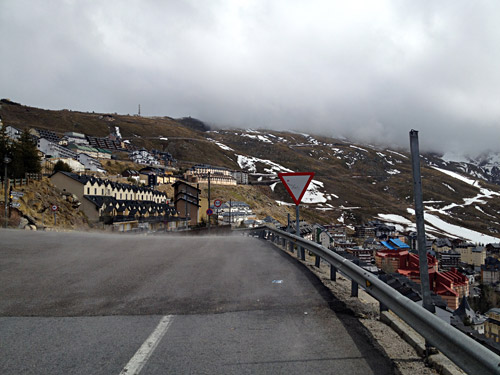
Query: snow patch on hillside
[
  {"x": 117, "y": 132},
  {"x": 458, "y": 176},
  {"x": 481, "y": 210},
  {"x": 449, "y": 187},
  {"x": 395, "y": 219},
  {"x": 248, "y": 163},
  {"x": 281, "y": 203},
  {"x": 358, "y": 148},
  {"x": 257, "y": 137},
  {"x": 480, "y": 198},
  {"x": 312, "y": 194},
  {"x": 401, "y": 223},
  {"x": 280, "y": 139},
  {"x": 455, "y": 230},
  {"x": 393, "y": 171},
  {"x": 221, "y": 145},
  {"x": 313, "y": 141},
  {"x": 397, "y": 153},
  {"x": 384, "y": 156}
]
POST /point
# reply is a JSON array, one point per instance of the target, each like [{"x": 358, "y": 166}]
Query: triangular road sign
[{"x": 296, "y": 184}]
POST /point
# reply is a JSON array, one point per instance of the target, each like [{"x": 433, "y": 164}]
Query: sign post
[
  {"x": 54, "y": 209},
  {"x": 217, "y": 204},
  {"x": 296, "y": 184}
]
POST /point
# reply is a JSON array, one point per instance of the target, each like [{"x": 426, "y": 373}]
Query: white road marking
[{"x": 135, "y": 365}]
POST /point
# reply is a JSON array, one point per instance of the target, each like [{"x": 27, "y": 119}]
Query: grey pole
[
  {"x": 419, "y": 214},
  {"x": 300, "y": 250},
  {"x": 6, "y": 196},
  {"x": 209, "y": 200},
  {"x": 6, "y": 160}
]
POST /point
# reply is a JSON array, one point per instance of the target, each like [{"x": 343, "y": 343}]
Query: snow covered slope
[{"x": 355, "y": 183}]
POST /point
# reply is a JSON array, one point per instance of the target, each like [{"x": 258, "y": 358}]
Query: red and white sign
[
  {"x": 217, "y": 203},
  {"x": 54, "y": 208},
  {"x": 296, "y": 184}
]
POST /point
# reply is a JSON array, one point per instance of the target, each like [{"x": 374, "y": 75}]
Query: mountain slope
[
  {"x": 353, "y": 183},
  {"x": 357, "y": 183}
]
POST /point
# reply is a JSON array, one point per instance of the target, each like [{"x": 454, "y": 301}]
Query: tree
[
  {"x": 25, "y": 158},
  {"x": 4, "y": 147},
  {"x": 62, "y": 166}
]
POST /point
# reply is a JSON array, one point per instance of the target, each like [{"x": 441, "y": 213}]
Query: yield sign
[{"x": 296, "y": 184}]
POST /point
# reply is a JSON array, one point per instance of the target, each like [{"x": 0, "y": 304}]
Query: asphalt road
[{"x": 86, "y": 303}]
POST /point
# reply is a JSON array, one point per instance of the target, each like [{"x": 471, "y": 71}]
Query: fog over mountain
[{"x": 369, "y": 71}]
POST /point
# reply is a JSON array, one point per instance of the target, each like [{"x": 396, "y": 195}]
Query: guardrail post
[
  {"x": 333, "y": 273},
  {"x": 382, "y": 308},
  {"x": 317, "y": 261},
  {"x": 290, "y": 245},
  {"x": 354, "y": 288},
  {"x": 302, "y": 253},
  {"x": 354, "y": 284}
]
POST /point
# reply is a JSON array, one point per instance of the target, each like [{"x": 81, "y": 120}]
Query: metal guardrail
[{"x": 465, "y": 352}]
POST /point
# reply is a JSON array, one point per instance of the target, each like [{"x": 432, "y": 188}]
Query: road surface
[{"x": 87, "y": 303}]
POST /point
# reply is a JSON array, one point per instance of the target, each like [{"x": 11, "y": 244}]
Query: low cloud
[{"x": 365, "y": 71}]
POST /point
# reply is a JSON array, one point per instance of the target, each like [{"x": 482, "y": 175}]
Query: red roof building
[{"x": 450, "y": 285}]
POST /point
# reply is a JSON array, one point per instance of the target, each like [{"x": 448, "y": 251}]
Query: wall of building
[{"x": 66, "y": 183}]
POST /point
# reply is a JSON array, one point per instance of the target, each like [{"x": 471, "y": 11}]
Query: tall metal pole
[
  {"x": 6, "y": 160},
  {"x": 419, "y": 214},
  {"x": 209, "y": 200},
  {"x": 300, "y": 250},
  {"x": 6, "y": 196}
]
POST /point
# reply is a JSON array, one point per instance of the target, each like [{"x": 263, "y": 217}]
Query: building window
[
  {"x": 88, "y": 190},
  {"x": 95, "y": 191}
]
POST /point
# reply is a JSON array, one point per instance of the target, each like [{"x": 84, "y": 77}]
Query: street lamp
[{"x": 6, "y": 160}]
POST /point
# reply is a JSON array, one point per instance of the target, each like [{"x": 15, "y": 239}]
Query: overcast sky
[{"x": 365, "y": 70}]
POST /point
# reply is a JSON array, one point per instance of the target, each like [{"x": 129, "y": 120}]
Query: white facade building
[
  {"x": 90, "y": 163},
  {"x": 54, "y": 150}
]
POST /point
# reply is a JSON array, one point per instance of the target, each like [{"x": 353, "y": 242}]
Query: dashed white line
[{"x": 137, "y": 362}]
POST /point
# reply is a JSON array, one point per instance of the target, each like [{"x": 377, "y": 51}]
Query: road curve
[{"x": 99, "y": 303}]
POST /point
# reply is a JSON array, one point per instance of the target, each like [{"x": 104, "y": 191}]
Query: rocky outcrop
[{"x": 35, "y": 210}]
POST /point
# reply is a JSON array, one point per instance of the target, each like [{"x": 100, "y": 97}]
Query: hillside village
[{"x": 156, "y": 192}]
